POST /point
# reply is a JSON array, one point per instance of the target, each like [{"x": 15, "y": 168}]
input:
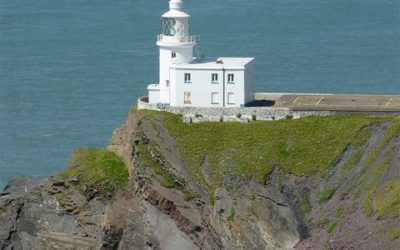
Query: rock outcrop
[{"x": 164, "y": 207}]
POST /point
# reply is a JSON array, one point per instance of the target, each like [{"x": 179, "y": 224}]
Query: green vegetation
[
  {"x": 306, "y": 206},
  {"x": 164, "y": 177},
  {"x": 388, "y": 204},
  {"x": 161, "y": 171},
  {"x": 97, "y": 169},
  {"x": 393, "y": 233},
  {"x": 371, "y": 185},
  {"x": 188, "y": 196},
  {"x": 389, "y": 135},
  {"x": 326, "y": 194},
  {"x": 339, "y": 212},
  {"x": 289, "y": 117},
  {"x": 232, "y": 214},
  {"x": 380, "y": 201},
  {"x": 332, "y": 227},
  {"x": 252, "y": 210},
  {"x": 367, "y": 205},
  {"x": 353, "y": 161},
  {"x": 362, "y": 137},
  {"x": 323, "y": 221},
  {"x": 300, "y": 146}
]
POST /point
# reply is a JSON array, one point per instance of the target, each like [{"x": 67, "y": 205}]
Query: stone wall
[{"x": 247, "y": 114}]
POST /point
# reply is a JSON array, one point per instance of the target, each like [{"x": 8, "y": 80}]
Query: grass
[
  {"x": 161, "y": 172},
  {"x": 367, "y": 170},
  {"x": 300, "y": 146},
  {"x": 388, "y": 204},
  {"x": 97, "y": 167},
  {"x": 164, "y": 177},
  {"x": 188, "y": 196},
  {"x": 371, "y": 187},
  {"x": 252, "y": 210},
  {"x": 232, "y": 214},
  {"x": 367, "y": 205},
  {"x": 353, "y": 161},
  {"x": 323, "y": 221},
  {"x": 339, "y": 212},
  {"x": 393, "y": 233},
  {"x": 393, "y": 131},
  {"x": 332, "y": 227},
  {"x": 362, "y": 137},
  {"x": 326, "y": 194},
  {"x": 368, "y": 181},
  {"x": 306, "y": 206}
]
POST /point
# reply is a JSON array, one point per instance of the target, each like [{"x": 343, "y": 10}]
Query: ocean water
[{"x": 71, "y": 69}]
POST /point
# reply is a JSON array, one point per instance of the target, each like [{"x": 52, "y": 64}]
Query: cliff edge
[{"x": 312, "y": 183}]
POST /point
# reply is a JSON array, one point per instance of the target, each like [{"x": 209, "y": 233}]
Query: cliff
[{"x": 312, "y": 183}]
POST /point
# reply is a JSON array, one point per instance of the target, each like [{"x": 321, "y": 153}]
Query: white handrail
[{"x": 179, "y": 39}]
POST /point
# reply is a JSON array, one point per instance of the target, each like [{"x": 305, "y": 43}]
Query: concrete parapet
[{"x": 246, "y": 114}]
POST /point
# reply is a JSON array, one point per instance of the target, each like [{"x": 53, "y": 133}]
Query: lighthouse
[
  {"x": 175, "y": 43},
  {"x": 187, "y": 80}
]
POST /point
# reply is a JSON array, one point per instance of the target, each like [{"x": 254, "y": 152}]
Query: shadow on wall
[{"x": 261, "y": 103}]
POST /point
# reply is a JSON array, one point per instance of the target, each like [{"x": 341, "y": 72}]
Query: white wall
[
  {"x": 201, "y": 87},
  {"x": 184, "y": 54},
  {"x": 237, "y": 87},
  {"x": 250, "y": 77},
  {"x": 154, "y": 96}
]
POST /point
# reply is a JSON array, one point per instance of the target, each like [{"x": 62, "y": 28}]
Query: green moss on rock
[
  {"x": 326, "y": 194},
  {"x": 97, "y": 170},
  {"x": 332, "y": 227},
  {"x": 388, "y": 204}
]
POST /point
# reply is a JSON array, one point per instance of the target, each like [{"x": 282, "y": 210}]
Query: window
[
  {"x": 214, "y": 78},
  {"x": 187, "y": 78},
  {"x": 187, "y": 98},
  {"x": 167, "y": 83},
  {"x": 231, "y": 78},
  {"x": 214, "y": 98},
  {"x": 231, "y": 98},
  {"x": 173, "y": 54},
  {"x": 169, "y": 26}
]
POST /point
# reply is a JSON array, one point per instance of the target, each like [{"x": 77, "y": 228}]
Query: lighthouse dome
[
  {"x": 175, "y": 4},
  {"x": 176, "y": 10}
]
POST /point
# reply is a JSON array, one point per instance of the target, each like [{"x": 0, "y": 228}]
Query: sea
[{"x": 70, "y": 70}]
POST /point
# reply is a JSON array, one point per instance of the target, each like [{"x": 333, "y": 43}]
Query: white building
[{"x": 186, "y": 80}]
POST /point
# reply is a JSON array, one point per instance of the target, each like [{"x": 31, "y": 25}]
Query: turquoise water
[{"x": 70, "y": 70}]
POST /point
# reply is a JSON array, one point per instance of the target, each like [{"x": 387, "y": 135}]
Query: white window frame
[
  {"x": 188, "y": 78},
  {"x": 184, "y": 97},
  {"x": 212, "y": 98},
  {"x": 229, "y": 99}
]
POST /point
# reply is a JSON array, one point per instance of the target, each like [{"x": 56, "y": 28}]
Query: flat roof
[{"x": 216, "y": 63}]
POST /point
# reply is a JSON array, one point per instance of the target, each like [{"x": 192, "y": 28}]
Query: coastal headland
[{"x": 309, "y": 183}]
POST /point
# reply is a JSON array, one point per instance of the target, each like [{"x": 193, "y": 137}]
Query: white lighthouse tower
[
  {"x": 187, "y": 81},
  {"x": 176, "y": 47}
]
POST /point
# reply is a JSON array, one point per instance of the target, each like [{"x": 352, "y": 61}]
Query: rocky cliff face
[{"x": 163, "y": 207}]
